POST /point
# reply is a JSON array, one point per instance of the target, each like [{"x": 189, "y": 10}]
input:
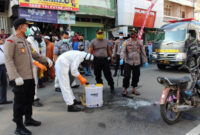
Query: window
[
  {"x": 2, "y": 6},
  {"x": 167, "y": 10},
  {"x": 183, "y": 14}
]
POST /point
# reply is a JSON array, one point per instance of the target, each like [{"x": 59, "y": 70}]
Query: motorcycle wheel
[{"x": 167, "y": 113}]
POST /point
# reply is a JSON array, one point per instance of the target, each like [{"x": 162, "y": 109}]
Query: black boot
[
  {"x": 22, "y": 131},
  {"x": 36, "y": 103},
  {"x": 112, "y": 90},
  {"x": 32, "y": 122},
  {"x": 73, "y": 108},
  {"x": 57, "y": 89},
  {"x": 76, "y": 102}
]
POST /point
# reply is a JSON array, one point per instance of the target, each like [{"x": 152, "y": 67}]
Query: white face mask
[{"x": 121, "y": 37}]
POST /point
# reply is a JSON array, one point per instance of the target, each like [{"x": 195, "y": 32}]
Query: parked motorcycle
[{"x": 176, "y": 98}]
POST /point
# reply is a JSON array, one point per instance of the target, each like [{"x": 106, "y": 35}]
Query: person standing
[
  {"x": 102, "y": 51},
  {"x": 132, "y": 52},
  {"x": 150, "y": 51},
  {"x": 3, "y": 35},
  {"x": 49, "y": 54},
  {"x": 3, "y": 77},
  {"x": 84, "y": 46},
  {"x": 19, "y": 64},
  {"x": 116, "y": 53}
]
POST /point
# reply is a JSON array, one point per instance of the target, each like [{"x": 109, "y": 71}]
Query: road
[{"x": 118, "y": 116}]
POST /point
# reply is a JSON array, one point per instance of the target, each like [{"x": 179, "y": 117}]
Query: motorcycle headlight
[{"x": 181, "y": 56}]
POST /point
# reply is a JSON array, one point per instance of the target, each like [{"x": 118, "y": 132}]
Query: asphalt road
[{"x": 118, "y": 116}]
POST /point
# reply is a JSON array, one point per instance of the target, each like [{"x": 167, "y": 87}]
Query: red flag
[{"x": 145, "y": 19}]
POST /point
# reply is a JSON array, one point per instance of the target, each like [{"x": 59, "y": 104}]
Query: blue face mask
[
  {"x": 27, "y": 31},
  {"x": 65, "y": 40}
]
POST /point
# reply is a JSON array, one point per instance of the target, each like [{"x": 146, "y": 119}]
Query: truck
[{"x": 177, "y": 43}]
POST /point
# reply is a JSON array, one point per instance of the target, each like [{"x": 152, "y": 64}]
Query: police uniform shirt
[
  {"x": 61, "y": 47},
  {"x": 118, "y": 47},
  {"x": 2, "y": 59},
  {"x": 132, "y": 51},
  {"x": 99, "y": 47}
]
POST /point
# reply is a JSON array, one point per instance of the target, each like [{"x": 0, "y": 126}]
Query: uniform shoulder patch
[{"x": 9, "y": 40}]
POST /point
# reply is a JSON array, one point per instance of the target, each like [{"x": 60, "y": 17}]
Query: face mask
[
  {"x": 27, "y": 32},
  {"x": 121, "y": 37},
  {"x": 99, "y": 36},
  {"x": 133, "y": 35},
  {"x": 65, "y": 40}
]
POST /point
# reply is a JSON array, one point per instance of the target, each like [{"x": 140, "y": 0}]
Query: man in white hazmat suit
[
  {"x": 66, "y": 69},
  {"x": 34, "y": 38}
]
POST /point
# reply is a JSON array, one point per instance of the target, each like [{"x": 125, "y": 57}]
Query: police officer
[
  {"x": 116, "y": 53},
  {"x": 18, "y": 59},
  {"x": 132, "y": 52},
  {"x": 101, "y": 53}
]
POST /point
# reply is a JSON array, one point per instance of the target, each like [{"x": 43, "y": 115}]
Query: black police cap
[
  {"x": 20, "y": 21},
  {"x": 99, "y": 31}
]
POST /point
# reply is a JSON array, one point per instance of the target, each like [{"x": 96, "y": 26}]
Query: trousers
[
  {"x": 23, "y": 99},
  {"x": 102, "y": 64},
  {"x": 3, "y": 84}
]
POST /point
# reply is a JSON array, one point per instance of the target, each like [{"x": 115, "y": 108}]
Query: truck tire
[{"x": 161, "y": 67}]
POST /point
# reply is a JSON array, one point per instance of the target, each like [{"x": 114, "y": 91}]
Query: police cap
[
  {"x": 99, "y": 31},
  {"x": 20, "y": 21},
  {"x": 134, "y": 31}
]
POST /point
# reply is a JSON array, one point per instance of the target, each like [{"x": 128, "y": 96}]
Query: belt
[{"x": 100, "y": 58}]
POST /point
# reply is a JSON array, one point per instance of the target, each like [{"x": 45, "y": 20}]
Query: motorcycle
[{"x": 176, "y": 98}]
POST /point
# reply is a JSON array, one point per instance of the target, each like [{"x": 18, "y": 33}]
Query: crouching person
[{"x": 66, "y": 70}]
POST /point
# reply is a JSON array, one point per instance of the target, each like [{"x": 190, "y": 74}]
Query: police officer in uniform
[
  {"x": 132, "y": 52},
  {"x": 116, "y": 53},
  {"x": 18, "y": 59},
  {"x": 102, "y": 51}
]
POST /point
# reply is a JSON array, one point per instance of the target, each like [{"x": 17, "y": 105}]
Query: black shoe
[
  {"x": 75, "y": 86},
  {"x": 32, "y": 122},
  {"x": 76, "y": 102},
  {"x": 22, "y": 131},
  {"x": 112, "y": 90},
  {"x": 57, "y": 89},
  {"x": 36, "y": 103},
  {"x": 115, "y": 74},
  {"x": 73, "y": 108},
  {"x": 6, "y": 102}
]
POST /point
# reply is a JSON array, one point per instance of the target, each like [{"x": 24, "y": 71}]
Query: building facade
[
  {"x": 178, "y": 9},
  {"x": 4, "y": 19},
  {"x": 94, "y": 14}
]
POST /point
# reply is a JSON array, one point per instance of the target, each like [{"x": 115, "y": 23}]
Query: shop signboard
[
  {"x": 47, "y": 16},
  {"x": 66, "y": 17},
  {"x": 67, "y": 5}
]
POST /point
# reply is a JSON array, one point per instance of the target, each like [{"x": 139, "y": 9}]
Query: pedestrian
[
  {"x": 60, "y": 47},
  {"x": 3, "y": 77},
  {"x": 75, "y": 40},
  {"x": 150, "y": 51},
  {"x": 18, "y": 59},
  {"x": 132, "y": 52},
  {"x": 3, "y": 35},
  {"x": 66, "y": 69},
  {"x": 102, "y": 51},
  {"x": 34, "y": 39},
  {"x": 49, "y": 54},
  {"x": 116, "y": 53},
  {"x": 84, "y": 46}
]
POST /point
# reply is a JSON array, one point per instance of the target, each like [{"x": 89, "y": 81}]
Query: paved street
[{"x": 118, "y": 116}]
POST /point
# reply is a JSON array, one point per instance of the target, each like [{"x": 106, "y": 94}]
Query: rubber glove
[
  {"x": 39, "y": 65},
  {"x": 50, "y": 62},
  {"x": 82, "y": 80},
  {"x": 146, "y": 64},
  {"x": 19, "y": 81},
  {"x": 121, "y": 62}
]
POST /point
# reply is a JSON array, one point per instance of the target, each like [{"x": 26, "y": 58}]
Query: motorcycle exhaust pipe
[{"x": 182, "y": 108}]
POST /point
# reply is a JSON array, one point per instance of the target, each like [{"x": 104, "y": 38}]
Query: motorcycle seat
[{"x": 173, "y": 81}]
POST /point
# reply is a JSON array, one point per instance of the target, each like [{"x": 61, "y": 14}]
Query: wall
[
  {"x": 126, "y": 10},
  {"x": 97, "y": 7}
]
